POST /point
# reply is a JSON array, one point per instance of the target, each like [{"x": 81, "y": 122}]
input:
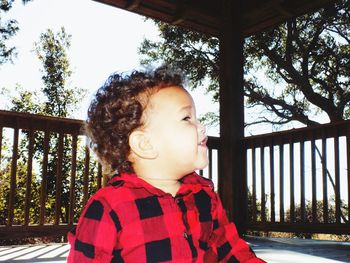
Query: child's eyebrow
[{"x": 187, "y": 107}]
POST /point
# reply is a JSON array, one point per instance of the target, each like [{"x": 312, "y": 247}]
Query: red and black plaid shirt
[{"x": 132, "y": 221}]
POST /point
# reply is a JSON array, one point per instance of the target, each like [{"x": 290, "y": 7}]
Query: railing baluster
[
  {"x": 104, "y": 177},
  {"x": 291, "y": 182},
  {"x": 262, "y": 168},
  {"x": 281, "y": 152},
  {"x": 254, "y": 209},
  {"x": 59, "y": 179},
  {"x": 29, "y": 177},
  {"x": 86, "y": 176},
  {"x": 210, "y": 169},
  {"x": 313, "y": 179},
  {"x": 324, "y": 176},
  {"x": 337, "y": 180},
  {"x": 348, "y": 169},
  {"x": 0, "y": 145},
  {"x": 99, "y": 177},
  {"x": 43, "y": 191},
  {"x": 302, "y": 182},
  {"x": 13, "y": 182},
  {"x": 72, "y": 180},
  {"x": 272, "y": 182},
  {"x": 201, "y": 172}
]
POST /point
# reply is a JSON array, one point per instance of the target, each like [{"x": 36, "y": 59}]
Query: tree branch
[{"x": 288, "y": 112}]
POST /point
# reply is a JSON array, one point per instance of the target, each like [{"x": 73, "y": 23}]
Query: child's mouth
[{"x": 203, "y": 142}]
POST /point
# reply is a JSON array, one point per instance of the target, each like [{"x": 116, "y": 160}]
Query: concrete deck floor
[
  {"x": 272, "y": 250},
  {"x": 288, "y": 250}
]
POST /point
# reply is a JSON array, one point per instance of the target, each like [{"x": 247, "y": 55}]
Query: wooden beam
[
  {"x": 205, "y": 16},
  {"x": 232, "y": 181}
]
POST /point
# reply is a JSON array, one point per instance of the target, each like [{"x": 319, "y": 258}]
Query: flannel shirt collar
[{"x": 191, "y": 183}]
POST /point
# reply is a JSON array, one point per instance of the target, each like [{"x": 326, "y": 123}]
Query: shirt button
[{"x": 185, "y": 235}]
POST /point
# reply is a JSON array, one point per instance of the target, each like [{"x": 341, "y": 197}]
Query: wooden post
[{"x": 232, "y": 170}]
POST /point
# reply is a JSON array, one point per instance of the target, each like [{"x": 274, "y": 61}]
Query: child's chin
[{"x": 202, "y": 166}]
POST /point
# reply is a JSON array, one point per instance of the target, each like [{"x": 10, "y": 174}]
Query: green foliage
[
  {"x": 26, "y": 101},
  {"x": 20, "y": 197},
  {"x": 295, "y": 71},
  {"x": 307, "y": 62},
  {"x": 60, "y": 101},
  {"x": 55, "y": 99},
  {"x": 308, "y": 214},
  {"x": 79, "y": 184},
  {"x": 331, "y": 218},
  {"x": 257, "y": 208},
  {"x": 52, "y": 52},
  {"x": 21, "y": 182},
  {"x": 8, "y": 29}
]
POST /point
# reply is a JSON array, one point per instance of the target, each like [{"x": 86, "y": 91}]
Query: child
[{"x": 143, "y": 127}]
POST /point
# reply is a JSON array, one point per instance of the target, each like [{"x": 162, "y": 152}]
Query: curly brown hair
[{"x": 117, "y": 110}]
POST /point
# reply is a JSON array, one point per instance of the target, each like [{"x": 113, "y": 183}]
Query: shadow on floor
[
  {"x": 299, "y": 250},
  {"x": 43, "y": 253}
]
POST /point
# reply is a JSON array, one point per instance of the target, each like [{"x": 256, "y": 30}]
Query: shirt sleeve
[
  {"x": 95, "y": 237},
  {"x": 225, "y": 243}
]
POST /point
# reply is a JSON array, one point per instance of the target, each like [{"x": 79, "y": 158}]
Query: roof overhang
[{"x": 206, "y": 16}]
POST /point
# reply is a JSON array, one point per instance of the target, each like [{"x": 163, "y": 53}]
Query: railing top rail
[
  {"x": 27, "y": 121},
  {"x": 329, "y": 130}
]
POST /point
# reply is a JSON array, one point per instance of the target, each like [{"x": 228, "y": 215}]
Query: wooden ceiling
[{"x": 206, "y": 15}]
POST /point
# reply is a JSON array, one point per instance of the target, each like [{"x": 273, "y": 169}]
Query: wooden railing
[
  {"x": 42, "y": 190},
  {"x": 211, "y": 171},
  {"x": 47, "y": 174},
  {"x": 299, "y": 180}
]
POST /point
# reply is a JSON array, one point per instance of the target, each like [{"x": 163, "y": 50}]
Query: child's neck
[{"x": 166, "y": 185}]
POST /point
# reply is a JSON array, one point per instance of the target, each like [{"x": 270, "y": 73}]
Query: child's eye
[{"x": 187, "y": 118}]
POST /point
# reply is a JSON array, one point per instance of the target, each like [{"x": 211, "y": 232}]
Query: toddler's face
[{"x": 178, "y": 136}]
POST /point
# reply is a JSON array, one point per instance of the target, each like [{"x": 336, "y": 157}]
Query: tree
[
  {"x": 57, "y": 99},
  {"x": 311, "y": 57},
  {"x": 60, "y": 102},
  {"x": 308, "y": 215},
  {"x": 52, "y": 52},
  {"x": 307, "y": 61},
  {"x": 8, "y": 29},
  {"x": 254, "y": 208},
  {"x": 20, "y": 196}
]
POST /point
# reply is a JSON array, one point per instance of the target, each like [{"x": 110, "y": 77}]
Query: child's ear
[{"x": 141, "y": 145}]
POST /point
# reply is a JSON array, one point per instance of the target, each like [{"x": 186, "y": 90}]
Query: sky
[{"x": 104, "y": 40}]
